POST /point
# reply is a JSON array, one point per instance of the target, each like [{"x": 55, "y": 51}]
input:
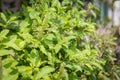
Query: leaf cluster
[{"x": 50, "y": 41}]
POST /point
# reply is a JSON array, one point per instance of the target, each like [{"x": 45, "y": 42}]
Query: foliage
[{"x": 51, "y": 41}]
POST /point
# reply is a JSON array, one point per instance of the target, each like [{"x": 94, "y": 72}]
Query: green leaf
[
  {"x": 34, "y": 58},
  {"x": 9, "y": 76},
  {"x": 24, "y": 27},
  {"x": 29, "y": 38},
  {"x": 22, "y": 44},
  {"x": 24, "y": 24},
  {"x": 12, "y": 44},
  {"x": 9, "y": 62},
  {"x": 23, "y": 69},
  {"x": 50, "y": 37},
  {"x": 2, "y": 25},
  {"x": 42, "y": 48},
  {"x": 12, "y": 18},
  {"x": 66, "y": 76},
  {"x": 3, "y": 17},
  {"x": 34, "y": 15},
  {"x": 6, "y": 52},
  {"x": 97, "y": 65},
  {"x": 103, "y": 76},
  {"x": 57, "y": 48},
  {"x": 93, "y": 13},
  {"x": 44, "y": 71},
  {"x": 78, "y": 67},
  {"x": 3, "y": 34},
  {"x": 62, "y": 71},
  {"x": 89, "y": 66}
]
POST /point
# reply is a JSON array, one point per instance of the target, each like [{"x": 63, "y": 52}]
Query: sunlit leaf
[
  {"x": 6, "y": 52},
  {"x": 23, "y": 69},
  {"x": 2, "y": 15},
  {"x": 12, "y": 44},
  {"x": 3, "y": 34},
  {"x": 57, "y": 48},
  {"x": 42, "y": 48},
  {"x": 12, "y": 18},
  {"x": 62, "y": 71},
  {"x": 44, "y": 71},
  {"x": 97, "y": 65},
  {"x": 2, "y": 25},
  {"x": 89, "y": 66},
  {"x": 24, "y": 24}
]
